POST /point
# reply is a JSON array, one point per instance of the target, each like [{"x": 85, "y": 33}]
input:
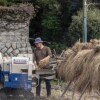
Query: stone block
[
  {"x": 8, "y": 45},
  {"x": 23, "y": 49},
  {"x": 12, "y": 38},
  {"x": 23, "y": 45},
  {"x": 28, "y": 44},
  {"x": 29, "y": 50},
  {"x": 4, "y": 50},
  {"x": 18, "y": 45},
  {"x": 3, "y": 33},
  {"x": 23, "y": 41},
  {"x": 5, "y": 54},
  {"x": 18, "y": 39},
  {"x": 14, "y": 45},
  {"x": 15, "y": 52},
  {"x": 17, "y": 33},
  {"x": 0, "y": 38},
  {"x": 2, "y": 45},
  {"x": 24, "y": 33},
  {"x": 11, "y": 55},
  {"x": 9, "y": 50},
  {"x": 11, "y": 33}
]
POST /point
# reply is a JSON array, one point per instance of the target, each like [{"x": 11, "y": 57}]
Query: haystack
[
  {"x": 90, "y": 73},
  {"x": 95, "y": 42},
  {"x": 82, "y": 66},
  {"x": 82, "y": 46},
  {"x": 76, "y": 65},
  {"x": 62, "y": 67},
  {"x": 66, "y": 66}
]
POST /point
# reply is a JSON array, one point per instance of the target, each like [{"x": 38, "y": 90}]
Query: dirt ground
[{"x": 58, "y": 90}]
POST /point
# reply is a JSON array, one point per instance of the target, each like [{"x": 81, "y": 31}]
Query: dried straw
[
  {"x": 82, "y": 46},
  {"x": 61, "y": 68},
  {"x": 89, "y": 72},
  {"x": 96, "y": 74},
  {"x": 76, "y": 65},
  {"x": 43, "y": 64},
  {"x": 82, "y": 66}
]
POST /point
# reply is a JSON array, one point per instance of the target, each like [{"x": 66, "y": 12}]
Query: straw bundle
[
  {"x": 43, "y": 64},
  {"x": 76, "y": 65},
  {"x": 82, "y": 66},
  {"x": 82, "y": 46},
  {"x": 91, "y": 73},
  {"x": 68, "y": 52},
  {"x": 95, "y": 42},
  {"x": 61, "y": 68},
  {"x": 71, "y": 66},
  {"x": 97, "y": 48},
  {"x": 96, "y": 74}
]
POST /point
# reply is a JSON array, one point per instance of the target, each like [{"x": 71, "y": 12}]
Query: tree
[
  {"x": 10, "y": 2},
  {"x": 93, "y": 26},
  {"x": 48, "y": 20}
]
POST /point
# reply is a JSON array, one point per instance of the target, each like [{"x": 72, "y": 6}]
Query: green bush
[
  {"x": 3, "y": 2},
  {"x": 9, "y": 2},
  {"x": 58, "y": 47},
  {"x": 93, "y": 25}
]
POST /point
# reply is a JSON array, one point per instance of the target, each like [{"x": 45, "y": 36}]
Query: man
[{"x": 42, "y": 53}]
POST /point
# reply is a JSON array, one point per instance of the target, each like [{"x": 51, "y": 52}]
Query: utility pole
[{"x": 85, "y": 20}]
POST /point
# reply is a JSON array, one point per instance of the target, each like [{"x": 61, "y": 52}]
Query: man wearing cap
[{"x": 41, "y": 54}]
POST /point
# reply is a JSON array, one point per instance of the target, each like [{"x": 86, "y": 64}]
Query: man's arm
[
  {"x": 46, "y": 58},
  {"x": 49, "y": 54}
]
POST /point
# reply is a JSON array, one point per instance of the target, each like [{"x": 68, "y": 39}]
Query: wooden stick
[
  {"x": 84, "y": 90},
  {"x": 66, "y": 88},
  {"x": 73, "y": 93}
]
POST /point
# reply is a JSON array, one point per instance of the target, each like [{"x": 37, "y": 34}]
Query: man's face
[{"x": 38, "y": 45}]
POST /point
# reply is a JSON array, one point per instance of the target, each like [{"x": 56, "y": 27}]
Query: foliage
[
  {"x": 10, "y": 2},
  {"x": 55, "y": 21},
  {"x": 48, "y": 21},
  {"x": 58, "y": 47},
  {"x": 52, "y": 20},
  {"x": 51, "y": 27},
  {"x": 93, "y": 26},
  {"x": 22, "y": 12},
  {"x": 3, "y": 2},
  {"x": 46, "y": 2}
]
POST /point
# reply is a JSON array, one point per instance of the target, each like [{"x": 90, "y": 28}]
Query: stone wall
[
  {"x": 14, "y": 32},
  {"x": 14, "y": 38},
  {"x": 14, "y": 29}
]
